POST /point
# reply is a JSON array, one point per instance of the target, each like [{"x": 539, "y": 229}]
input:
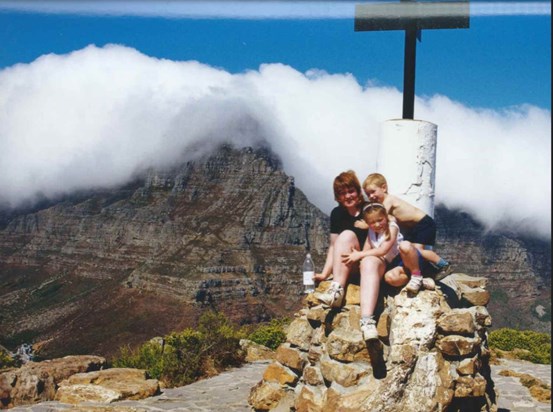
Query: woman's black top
[{"x": 341, "y": 220}]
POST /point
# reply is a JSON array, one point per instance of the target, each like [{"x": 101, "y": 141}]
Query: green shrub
[
  {"x": 528, "y": 345},
  {"x": 271, "y": 334},
  {"x": 149, "y": 356},
  {"x": 222, "y": 340},
  {"x": 183, "y": 357},
  {"x": 186, "y": 356}
]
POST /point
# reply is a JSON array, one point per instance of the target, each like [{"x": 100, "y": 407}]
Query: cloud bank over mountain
[{"x": 97, "y": 117}]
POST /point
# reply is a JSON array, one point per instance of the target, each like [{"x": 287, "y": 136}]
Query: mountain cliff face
[
  {"x": 519, "y": 269},
  {"x": 98, "y": 270},
  {"x": 94, "y": 271}
]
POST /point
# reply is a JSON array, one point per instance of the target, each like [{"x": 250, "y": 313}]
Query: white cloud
[
  {"x": 515, "y": 8},
  {"x": 246, "y": 9},
  {"x": 97, "y": 116}
]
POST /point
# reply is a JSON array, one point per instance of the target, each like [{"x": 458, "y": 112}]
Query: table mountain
[{"x": 96, "y": 270}]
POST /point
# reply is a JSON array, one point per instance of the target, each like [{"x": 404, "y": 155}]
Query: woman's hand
[
  {"x": 352, "y": 257},
  {"x": 319, "y": 277}
]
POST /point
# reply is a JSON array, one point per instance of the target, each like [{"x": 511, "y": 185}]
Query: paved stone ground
[
  {"x": 229, "y": 392},
  {"x": 513, "y": 396}
]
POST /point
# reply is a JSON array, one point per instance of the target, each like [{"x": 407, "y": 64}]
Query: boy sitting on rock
[{"x": 416, "y": 226}]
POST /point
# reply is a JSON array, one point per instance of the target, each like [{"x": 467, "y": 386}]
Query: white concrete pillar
[{"x": 407, "y": 158}]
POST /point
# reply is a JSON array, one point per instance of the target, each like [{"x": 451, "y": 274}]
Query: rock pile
[
  {"x": 431, "y": 355},
  {"x": 38, "y": 381},
  {"x": 73, "y": 380}
]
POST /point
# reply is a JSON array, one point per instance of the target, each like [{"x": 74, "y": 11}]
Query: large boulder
[
  {"x": 107, "y": 385},
  {"x": 38, "y": 381},
  {"x": 256, "y": 352},
  {"x": 431, "y": 355}
]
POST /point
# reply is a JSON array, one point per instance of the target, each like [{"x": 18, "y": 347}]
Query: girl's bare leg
[
  {"x": 396, "y": 277},
  {"x": 409, "y": 256},
  {"x": 371, "y": 268}
]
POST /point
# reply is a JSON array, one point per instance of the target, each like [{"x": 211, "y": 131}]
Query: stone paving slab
[
  {"x": 228, "y": 392},
  {"x": 512, "y": 395}
]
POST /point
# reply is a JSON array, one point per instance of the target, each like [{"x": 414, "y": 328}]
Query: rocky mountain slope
[
  {"x": 519, "y": 269},
  {"x": 93, "y": 271}
]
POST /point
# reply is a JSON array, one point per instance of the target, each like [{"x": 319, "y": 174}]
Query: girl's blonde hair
[{"x": 377, "y": 209}]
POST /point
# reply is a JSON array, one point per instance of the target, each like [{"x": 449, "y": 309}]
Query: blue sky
[
  {"x": 94, "y": 92},
  {"x": 503, "y": 59}
]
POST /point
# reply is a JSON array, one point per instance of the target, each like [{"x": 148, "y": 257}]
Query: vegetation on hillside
[
  {"x": 6, "y": 360},
  {"x": 183, "y": 357},
  {"x": 522, "y": 344},
  {"x": 271, "y": 334}
]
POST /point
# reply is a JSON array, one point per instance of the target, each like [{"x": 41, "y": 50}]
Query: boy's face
[
  {"x": 348, "y": 197},
  {"x": 375, "y": 193}
]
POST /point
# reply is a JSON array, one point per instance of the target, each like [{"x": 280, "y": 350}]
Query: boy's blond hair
[{"x": 375, "y": 179}]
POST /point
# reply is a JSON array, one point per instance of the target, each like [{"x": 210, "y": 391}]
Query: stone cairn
[{"x": 431, "y": 355}]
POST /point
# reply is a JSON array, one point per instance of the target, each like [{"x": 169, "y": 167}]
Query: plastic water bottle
[{"x": 308, "y": 272}]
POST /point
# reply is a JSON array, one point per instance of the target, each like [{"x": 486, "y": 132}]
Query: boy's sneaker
[
  {"x": 334, "y": 296},
  {"x": 414, "y": 284},
  {"x": 444, "y": 271},
  {"x": 428, "y": 283},
  {"x": 368, "y": 329}
]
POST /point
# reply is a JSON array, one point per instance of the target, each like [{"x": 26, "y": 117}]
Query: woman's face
[{"x": 348, "y": 197}]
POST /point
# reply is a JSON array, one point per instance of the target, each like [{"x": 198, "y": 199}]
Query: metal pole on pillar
[{"x": 409, "y": 73}]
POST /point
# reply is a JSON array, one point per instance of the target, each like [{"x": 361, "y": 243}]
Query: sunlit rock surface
[
  {"x": 107, "y": 385},
  {"x": 38, "y": 381}
]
